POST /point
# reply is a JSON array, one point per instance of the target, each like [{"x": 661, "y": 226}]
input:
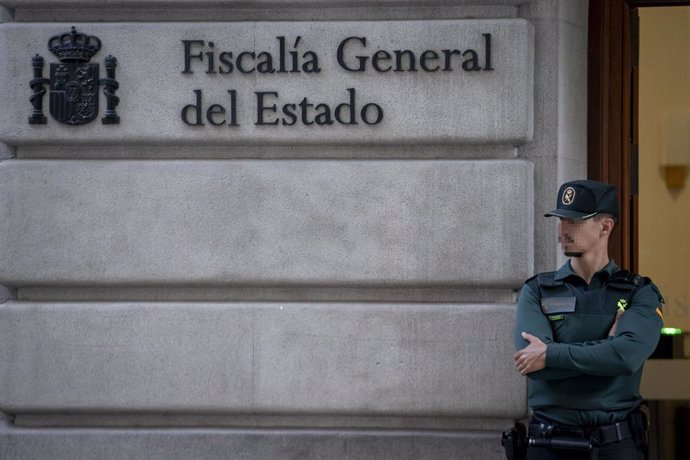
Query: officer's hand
[
  {"x": 532, "y": 358},
  {"x": 612, "y": 331}
]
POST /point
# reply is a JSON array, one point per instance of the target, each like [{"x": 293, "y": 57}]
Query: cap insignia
[{"x": 568, "y": 196}]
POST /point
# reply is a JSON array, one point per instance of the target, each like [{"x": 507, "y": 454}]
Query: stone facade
[{"x": 204, "y": 283}]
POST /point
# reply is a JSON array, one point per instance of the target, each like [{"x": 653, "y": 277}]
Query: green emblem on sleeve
[{"x": 622, "y": 304}]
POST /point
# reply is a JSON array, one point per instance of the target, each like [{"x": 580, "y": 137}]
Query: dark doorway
[{"x": 617, "y": 148}]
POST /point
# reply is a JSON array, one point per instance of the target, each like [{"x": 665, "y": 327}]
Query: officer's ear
[{"x": 606, "y": 223}]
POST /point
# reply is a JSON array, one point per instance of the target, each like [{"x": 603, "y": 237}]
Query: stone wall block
[
  {"x": 485, "y": 99},
  {"x": 269, "y": 223},
  {"x": 433, "y": 360}
]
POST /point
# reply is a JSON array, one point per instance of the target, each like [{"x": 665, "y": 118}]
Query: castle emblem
[{"x": 74, "y": 82}]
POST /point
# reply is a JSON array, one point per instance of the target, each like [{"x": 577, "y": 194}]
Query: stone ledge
[
  {"x": 241, "y": 3},
  {"x": 282, "y": 152},
  {"x": 330, "y": 12},
  {"x": 6, "y": 294},
  {"x": 311, "y": 421},
  {"x": 172, "y": 444},
  {"x": 265, "y": 294},
  {"x": 7, "y": 152}
]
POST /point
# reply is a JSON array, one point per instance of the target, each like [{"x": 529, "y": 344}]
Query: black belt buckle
[{"x": 541, "y": 430}]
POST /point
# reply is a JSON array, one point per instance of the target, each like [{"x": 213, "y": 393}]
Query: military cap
[{"x": 582, "y": 199}]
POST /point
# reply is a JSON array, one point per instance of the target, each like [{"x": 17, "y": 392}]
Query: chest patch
[{"x": 556, "y": 305}]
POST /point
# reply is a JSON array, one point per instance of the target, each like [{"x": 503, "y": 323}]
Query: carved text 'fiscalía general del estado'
[{"x": 353, "y": 55}]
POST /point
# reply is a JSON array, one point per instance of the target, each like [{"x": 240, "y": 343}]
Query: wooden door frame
[{"x": 612, "y": 112}]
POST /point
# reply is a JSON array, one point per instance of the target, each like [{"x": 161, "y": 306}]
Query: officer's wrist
[{"x": 551, "y": 355}]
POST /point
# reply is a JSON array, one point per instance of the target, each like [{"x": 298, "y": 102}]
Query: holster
[
  {"x": 639, "y": 425},
  {"x": 514, "y": 442}
]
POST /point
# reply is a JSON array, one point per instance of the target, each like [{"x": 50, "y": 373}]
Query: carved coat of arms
[{"x": 74, "y": 81}]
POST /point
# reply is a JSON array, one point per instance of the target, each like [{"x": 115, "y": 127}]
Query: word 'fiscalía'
[
  {"x": 250, "y": 61},
  {"x": 352, "y": 55}
]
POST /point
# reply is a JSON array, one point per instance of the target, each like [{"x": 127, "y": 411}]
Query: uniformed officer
[{"x": 582, "y": 334}]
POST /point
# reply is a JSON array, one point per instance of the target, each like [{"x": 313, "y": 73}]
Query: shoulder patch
[
  {"x": 656, "y": 291},
  {"x": 532, "y": 284},
  {"x": 626, "y": 280},
  {"x": 532, "y": 278},
  {"x": 646, "y": 281},
  {"x": 547, "y": 280}
]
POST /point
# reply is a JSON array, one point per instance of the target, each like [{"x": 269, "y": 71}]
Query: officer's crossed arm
[
  {"x": 623, "y": 354},
  {"x": 530, "y": 357},
  {"x": 637, "y": 334}
]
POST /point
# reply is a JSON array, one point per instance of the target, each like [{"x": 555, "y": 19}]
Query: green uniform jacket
[{"x": 590, "y": 379}]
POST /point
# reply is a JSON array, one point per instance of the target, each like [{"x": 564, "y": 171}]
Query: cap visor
[{"x": 569, "y": 214}]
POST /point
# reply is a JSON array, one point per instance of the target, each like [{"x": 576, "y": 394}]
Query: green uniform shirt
[{"x": 590, "y": 379}]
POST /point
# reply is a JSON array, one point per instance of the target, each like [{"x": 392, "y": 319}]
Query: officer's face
[{"x": 578, "y": 236}]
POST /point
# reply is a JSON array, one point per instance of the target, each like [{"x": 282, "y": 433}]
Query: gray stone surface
[
  {"x": 270, "y": 223},
  {"x": 546, "y": 247},
  {"x": 172, "y": 444},
  {"x": 559, "y": 146},
  {"x": 170, "y": 237},
  {"x": 6, "y": 294},
  {"x": 5, "y": 15},
  {"x": 459, "y": 106},
  {"x": 6, "y": 152},
  {"x": 423, "y": 360}
]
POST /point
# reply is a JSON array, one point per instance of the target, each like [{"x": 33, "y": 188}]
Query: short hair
[{"x": 606, "y": 215}]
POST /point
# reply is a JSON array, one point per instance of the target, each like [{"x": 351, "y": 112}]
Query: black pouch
[{"x": 514, "y": 442}]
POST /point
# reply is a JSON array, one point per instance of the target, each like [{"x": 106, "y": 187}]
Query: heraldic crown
[{"x": 74, "y": 46}]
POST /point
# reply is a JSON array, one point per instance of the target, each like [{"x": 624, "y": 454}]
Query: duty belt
[{"x": 543, "y": 434}]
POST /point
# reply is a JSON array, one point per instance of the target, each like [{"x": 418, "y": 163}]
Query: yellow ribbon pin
[{"x": 622, "y": 304}]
